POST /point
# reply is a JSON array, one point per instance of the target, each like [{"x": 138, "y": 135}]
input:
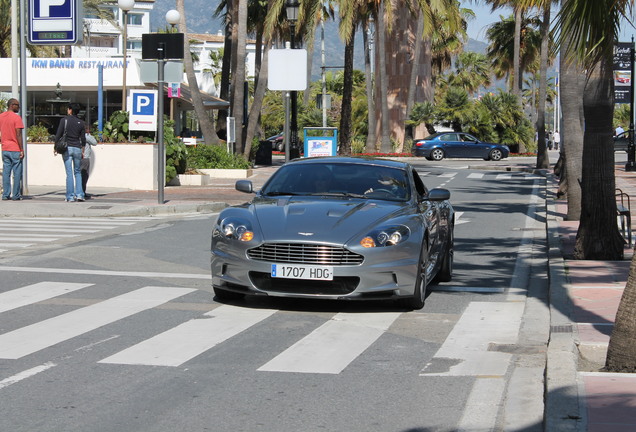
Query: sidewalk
[
  {"x": 48, "y": 201},
  {"x": 579, "y": 396}
]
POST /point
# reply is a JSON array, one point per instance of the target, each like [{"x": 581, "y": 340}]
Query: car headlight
[
  {"x": 387, "y": 236},
  {"x": 235, "y": 229}
]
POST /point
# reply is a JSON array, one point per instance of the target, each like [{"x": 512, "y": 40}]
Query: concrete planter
[
  {"x": 227, "y": 173},
  {"x": 194, "y": 179}
]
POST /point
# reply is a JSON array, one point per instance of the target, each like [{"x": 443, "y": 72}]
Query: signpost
[
  {"x": 143, "y": 110},
  {"x": 55, "y": 22}
]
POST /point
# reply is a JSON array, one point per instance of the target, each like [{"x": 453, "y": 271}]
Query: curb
[{"x": 562, "y": 390}]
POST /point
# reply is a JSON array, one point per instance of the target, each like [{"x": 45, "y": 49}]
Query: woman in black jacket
[{"x": 76, "y": 140}]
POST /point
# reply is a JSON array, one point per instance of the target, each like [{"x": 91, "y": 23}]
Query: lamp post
[
  {"x": 172, "y": 17},
  {"x": 291, "y": 7},
  {"x": 125, "y": 6},
  {"x": 631, "y": 148}
]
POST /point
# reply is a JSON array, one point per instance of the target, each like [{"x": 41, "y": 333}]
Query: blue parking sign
[
  {"x": 143, "y": 104},
  {"x": 55, "y": 22}
]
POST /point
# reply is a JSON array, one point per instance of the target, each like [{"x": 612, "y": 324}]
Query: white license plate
[{"x": 290, "y": 271}]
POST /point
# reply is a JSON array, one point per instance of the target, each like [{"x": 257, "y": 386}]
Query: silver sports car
[{"x": 335, "y": 228}]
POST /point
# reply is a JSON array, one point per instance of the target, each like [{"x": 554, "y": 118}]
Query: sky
[{"x": 484, "y": 17}]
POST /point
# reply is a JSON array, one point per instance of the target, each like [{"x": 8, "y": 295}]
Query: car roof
[{"x": 362, "y": 160}]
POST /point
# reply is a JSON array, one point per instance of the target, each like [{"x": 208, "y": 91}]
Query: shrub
[
  {"x": 214, "y": 157},
  {"x": 38, "y": 133}
]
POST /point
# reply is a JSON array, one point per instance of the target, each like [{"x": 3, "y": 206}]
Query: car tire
[
  {"x": 495, "y": 155},
  {"x": 437, "y": 154},
  {"x": 445, "y": 273},
  {"x": 421, "y": 283},
  {"x": 224, "y": 295}
]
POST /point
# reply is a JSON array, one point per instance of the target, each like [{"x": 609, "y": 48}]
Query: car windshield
[{"x": 339, "y": 179}]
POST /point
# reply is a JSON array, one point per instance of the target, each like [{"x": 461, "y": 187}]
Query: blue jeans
[
  {"x": 11, "y": 162},
  {"x": 72, "y": 158}
]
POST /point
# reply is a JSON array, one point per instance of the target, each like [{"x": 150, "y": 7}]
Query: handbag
[{"x": 61, "y": 145}]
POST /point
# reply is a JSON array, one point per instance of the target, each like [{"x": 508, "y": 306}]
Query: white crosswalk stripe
[
  {"x": 329, "y": 349},
  {"x": 35, "y": 293},
  {"x": 180, "y": 344},
  {"x": 41, "y": 335},
  {"x": 22, "y": 233}
]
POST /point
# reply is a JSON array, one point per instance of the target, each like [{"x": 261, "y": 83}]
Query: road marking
[
  {"x": 186, "y": 341},
  {"x": 467, "y": 349},
  {"x": 25, "y": 374},
  {"x": 448, "y": 175},
  {"x": 482, "y": 406},
  {"x": 503, "y": 176},
  {"x": 475, "y": 175},
  {"x": 332, "y": 346},
  {"x": 35, "y": 337},
  {"x": 107, "y": 273},
  {"x": 36, "y": 293},
  {"x": 445, "y": 288}
]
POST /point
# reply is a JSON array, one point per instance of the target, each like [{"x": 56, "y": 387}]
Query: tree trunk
[
  {"x": 415, "y": 73},
  {"x": 344, "y": 136},
  {"x": 621, "y": 352},
  {"x": 257, "y": 103},
  {"x": 238, "y": 75},
  {"x": 382, "y": 84},
  {"x": 205, "y": 122},
  {"x": 371, "y": 130},
  {"x": 572, "y": 85},
  {"x": 224, "y": 92},
  {"x": 598, "y": 236},
  {"x": 516, "y": 75},
  {"x": 543, "y": 161}
]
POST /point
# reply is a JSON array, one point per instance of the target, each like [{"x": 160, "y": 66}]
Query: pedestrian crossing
[
  {"x": 329, "y": 349},
  {"x": 475, "y": 175},
  {"x": 20, "y": 233}
]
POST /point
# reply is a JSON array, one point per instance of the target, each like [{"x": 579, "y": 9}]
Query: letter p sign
[{"x": 143, "y": 104}]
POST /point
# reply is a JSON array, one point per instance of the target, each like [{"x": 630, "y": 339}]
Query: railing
[{"x": 624, "y": 214}]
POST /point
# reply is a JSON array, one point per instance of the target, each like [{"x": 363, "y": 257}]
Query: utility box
[{"x": 320, "y": 141}]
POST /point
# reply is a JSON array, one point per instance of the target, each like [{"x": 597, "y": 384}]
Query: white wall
[{"x": 125, "y": 165}]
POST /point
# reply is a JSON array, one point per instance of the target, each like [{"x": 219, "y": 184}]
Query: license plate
[{"x": 289, "y": 271}]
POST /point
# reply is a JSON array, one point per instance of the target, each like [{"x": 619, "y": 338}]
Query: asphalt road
[{"x": 119, "y": 331}]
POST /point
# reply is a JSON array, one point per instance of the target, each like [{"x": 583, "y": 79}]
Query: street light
[
  {"x": 292, "y": 7},
  {"x": 125, "y": 6},
  {"x": 173, "y": 17}
]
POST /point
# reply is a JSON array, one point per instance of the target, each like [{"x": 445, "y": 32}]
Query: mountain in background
[{"x": 199, "y": 16}]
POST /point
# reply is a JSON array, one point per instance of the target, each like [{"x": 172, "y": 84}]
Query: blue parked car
[{"x": 457, "y": 145}]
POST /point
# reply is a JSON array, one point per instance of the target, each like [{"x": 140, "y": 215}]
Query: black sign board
[
  {"x": 172, "y": 46},
  {"x": 622, "y": 71}
]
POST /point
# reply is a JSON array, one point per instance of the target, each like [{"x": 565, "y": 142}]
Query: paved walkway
[{"x": 605, "y": 402}]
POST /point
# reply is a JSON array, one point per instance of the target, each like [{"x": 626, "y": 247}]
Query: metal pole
[
  {"x": 286, "y": 127},
  {"x": 124, "y": 106},
  {"x": 631, "y": 160},
  {"x": 294, "y": 150},
  {"x": 161, "y": 151},
  {"x": 23, "y": 94},
  {"x": 100, "y": 100},
  {"x": 14, "y": 48},
  {"x": 324, "y": 78}
]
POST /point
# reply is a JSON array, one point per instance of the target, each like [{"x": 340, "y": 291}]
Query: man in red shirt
[{"x": 12, "y": 152}]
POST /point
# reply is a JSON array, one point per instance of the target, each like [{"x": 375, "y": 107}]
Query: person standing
[
  {"x": 76, "y": 140},
  {"x": 557, "y": 139},
  {"x": 11, "y": 127},
  {"x": 87, "y": 154}
]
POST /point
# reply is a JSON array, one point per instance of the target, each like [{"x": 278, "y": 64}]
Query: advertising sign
[
  {"x": 622, "y": 71},
  {"x": 143, "y": 110},
  {"x": 55, "y": 22}
]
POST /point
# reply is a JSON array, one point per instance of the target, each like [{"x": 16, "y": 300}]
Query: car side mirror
[
  {"x": 438, "y": 194},
  {"x": 244, "y": 186}
]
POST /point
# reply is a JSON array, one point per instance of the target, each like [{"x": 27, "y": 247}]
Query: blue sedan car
[{"x": 457, "y": 145}]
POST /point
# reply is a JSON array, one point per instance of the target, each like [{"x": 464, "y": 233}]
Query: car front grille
[{"x": 304, "y": 253}]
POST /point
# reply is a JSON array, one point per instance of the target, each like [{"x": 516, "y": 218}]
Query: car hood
[{"x": 320, "y": 219}]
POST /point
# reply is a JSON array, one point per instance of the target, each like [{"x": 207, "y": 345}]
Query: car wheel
[
  {"x": 495, "y": 154},
  {"x": 224, "y": 295},
  {"x": 437, "y": 154},
  {"x": 421, "y": 282},
  {"x": 445, "y": 273}
]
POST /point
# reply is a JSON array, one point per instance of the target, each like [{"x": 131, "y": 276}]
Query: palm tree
[
  {"x": 590, "y": 30},
  {"x": 207, "y": 128}
]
